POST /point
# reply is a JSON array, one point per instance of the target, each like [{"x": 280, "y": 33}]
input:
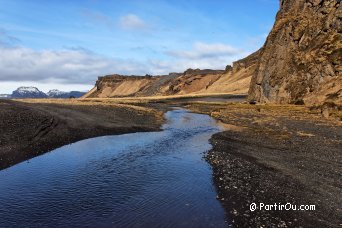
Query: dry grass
[
  {"x": 159, "y": 98},
  {"x": 230, "y": 127},
  {"x": 305, "y": 134},
  {"x": 262, "y": 115},
  {"x": 126, "y": 100},
  {"x": 91, "y": 102}
]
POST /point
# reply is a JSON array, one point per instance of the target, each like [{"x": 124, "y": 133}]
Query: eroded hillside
[{"x": 233, "y": 80}]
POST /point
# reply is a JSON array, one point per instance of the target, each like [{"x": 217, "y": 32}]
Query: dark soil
[
  {"x": 272, "y": 154},
  {"x": 281, "y": 155},
  {"x": 31, "y": 129}
]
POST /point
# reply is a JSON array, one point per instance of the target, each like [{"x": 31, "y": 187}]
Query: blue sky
[{"x": 67, "y": 44}]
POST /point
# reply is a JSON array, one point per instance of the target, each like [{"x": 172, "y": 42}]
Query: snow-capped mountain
[
  {"x": 28, "y": 92},
  {"x": 33, "y": 92},
  {"x": 55, "y": 93}
]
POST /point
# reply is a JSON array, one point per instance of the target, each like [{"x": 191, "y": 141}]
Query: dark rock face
[
  {"x": 202, "y": 72},
  {"x": 228, "y": 68},
  {"x": 301, "y": 59}
]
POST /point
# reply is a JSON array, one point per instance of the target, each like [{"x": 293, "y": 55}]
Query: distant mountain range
[
  {"x": 33, "y": 92},
  {"x": 55, "y": 93},
  {"x": 28, "y": 92}
]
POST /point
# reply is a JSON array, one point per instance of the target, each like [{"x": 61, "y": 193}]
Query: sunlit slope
[{"x": 233, "y": 80}]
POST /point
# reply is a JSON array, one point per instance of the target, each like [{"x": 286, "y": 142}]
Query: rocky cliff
[{"x": 301, "y": 59}]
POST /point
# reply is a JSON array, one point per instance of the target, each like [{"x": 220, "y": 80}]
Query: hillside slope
[
  {"x": 232, "y": 80},
  {"x": 237, "y": 79},
  {"x": 301, "y": 59}
]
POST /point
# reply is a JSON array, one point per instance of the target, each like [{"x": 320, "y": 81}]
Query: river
[{"x": 155, "y": 179}]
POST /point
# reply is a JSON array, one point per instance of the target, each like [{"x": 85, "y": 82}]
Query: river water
[{"x": 156, "y": 179}]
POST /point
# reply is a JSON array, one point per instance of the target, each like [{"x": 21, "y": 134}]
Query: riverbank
[
  {"x": 276, "y": 154},
  {"x": 268, "y": 154},
  {"x": 29, "y": 128},
  {"x": 147, "y": 179}
]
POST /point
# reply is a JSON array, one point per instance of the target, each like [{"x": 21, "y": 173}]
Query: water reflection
[{"x": 156, "y": 179}]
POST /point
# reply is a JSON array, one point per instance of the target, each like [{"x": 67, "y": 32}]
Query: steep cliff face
[{"x": 301, "y": 59}]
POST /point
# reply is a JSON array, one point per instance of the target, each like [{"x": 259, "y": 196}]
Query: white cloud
[
  {"x": 203, "y": 50},
  {"x": 132, "y": 21},
  {"x": 9, "y": 86},
  {"x": 127, "y": 22},
  {"x": 206, "y": 56},
  {"x": 180, "y": 65},
  {"x": 64, "y": 66},
  {"x": 82, "y": 67}
]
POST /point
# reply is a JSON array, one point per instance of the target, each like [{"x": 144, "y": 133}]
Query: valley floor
[{"x": 267, "y": 154}]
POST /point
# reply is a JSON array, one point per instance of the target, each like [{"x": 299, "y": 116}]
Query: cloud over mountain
[
  {"x": 203, "y": 50},
  {"x": 69, "y": 65},
  {"x": 79, "y": 65}
]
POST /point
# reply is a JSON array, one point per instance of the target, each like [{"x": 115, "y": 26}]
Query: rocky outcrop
[
  {"x": 194, "y": 72},
  {"x": 301, "y": 59}
]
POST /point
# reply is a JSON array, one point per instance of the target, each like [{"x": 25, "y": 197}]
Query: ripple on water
[{"x": 134, "y": 180}]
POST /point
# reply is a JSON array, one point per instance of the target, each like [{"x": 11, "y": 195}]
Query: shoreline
[
  {"x": 276, "y": 154},
  {"x": 267, "y": 153},
  {"x": 30, "y": 128}
]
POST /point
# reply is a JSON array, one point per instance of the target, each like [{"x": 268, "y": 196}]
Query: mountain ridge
[
  {"x": 234, "y": 80},
  {"x": 23, "y": 92}
]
